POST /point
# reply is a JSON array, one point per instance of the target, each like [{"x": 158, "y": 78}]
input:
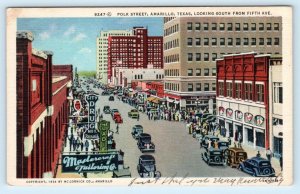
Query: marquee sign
[
  {"x": 248, "y": 117},
  {"x": 259, "y": 120},
  {"x": 238, "y": 115},
  {"x": 229, "y": 112},
  {"x": 221, "y": 110},
  {"x": 89, "y": 163},
  {"x": 91, "y": 133},
  {"x": 104, "y": 127}
]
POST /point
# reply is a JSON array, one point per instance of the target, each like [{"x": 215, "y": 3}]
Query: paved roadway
[{"x": 176, "y": 154}]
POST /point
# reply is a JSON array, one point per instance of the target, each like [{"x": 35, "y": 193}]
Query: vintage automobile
[
  {"x": 104, "y": 93},
  {"x": 235, "y": 156},
  {"x": 258, "y": 167},
  {"x": 144, "y": 143},
  {"x": 146, "y": 167},
  {"x": 223, "y": 145},
  {"x": 111, "y": 98},
  {"x": 112, "y": 111},
  {"x": 117, "y": 117},
  {"x": 134, "y": 113},
  {"x": 106, "y": 109},
  {"x": 213, "y": 156},
  {"x": 136, "y": 131},
  {"x": 205, "y": 139}
]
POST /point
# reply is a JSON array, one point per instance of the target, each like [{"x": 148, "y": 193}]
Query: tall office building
[
  {"x": 102, "y": 45},
  {"x": 192, "y": 44}
]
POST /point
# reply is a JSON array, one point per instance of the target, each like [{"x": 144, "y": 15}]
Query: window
[
  {"x": 253, "y": 41},
  {"x": 206, "y": 86},
  {"x": 197, "y": 26},
  {"x": 197, "y": 41},
  {"x": 246, "y": 41},
  {"x": 237, "y": 26},
  {"x": 213, "y": 86},
  {"x": 189, "y": 26},
  {"x": 230, "y": 42},
  {"x": 189, "y": 41},
  {"x": 206, "y": 41},
  {"x": 214, "y": 41},
  {"x": 222, "y": 41},
  {"x": 276, "y": 26},
  {"x": 261, "y": 41},
  {"x": 277, "y": 93},
  {"x": 190, "y": 87},
  {"x": 269, "y": 26},
  {"x": 205, "y": 26},
  {"x": 248, "y": 91},
  {"x": 260, "y": 96},
  {"x": 229, "y": 26},
  {"x": 253, "y": 26},
  {"x": 190, "y": 72},
  {"x": 229, "y": 89},
  {"x": 198, "y": 56},
  {"x": 238, "y": 41},
  {"x": 222, "y": 26},
  {"x": 245, "y": 27},
  {"x": 214, "y": 72},
  {"x": 269, "y": 41},
  {"x": 198, "y": 86},
  {"x": 190, "y": 56},
  {"x": 261, "y": 26},
  {"x": 221, "y": 88},
  {"x": 198, "y": 72},
  {"x": 206, "y": 56},
  {"x": 214, "y": 26},
  {"x": 206, "y": 72},
  {"x": 276, "y": 41},
  {"x": 238, "y": 90}
]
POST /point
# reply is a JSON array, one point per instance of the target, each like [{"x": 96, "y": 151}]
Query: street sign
[
  {"x": 104, "y": 127},
  {"x": 77, "y": 105},
  {"x": 89, "y": 163}
]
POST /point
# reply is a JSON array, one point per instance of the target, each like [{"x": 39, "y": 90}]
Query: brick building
[
  {"x": 42, "y": 109},
  {"x": 136, "y": 51}
]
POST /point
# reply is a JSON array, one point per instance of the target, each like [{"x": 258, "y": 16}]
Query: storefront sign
[
  {"x": 104, "y": 127},
  {"x": 238, "y": 115},
  {"x": 229, "y": 112},
  {"x": 91, "y": 133},
  {"x": 221, "y": 110},
  {"x": 259, "y": 120},
  {"x": 248, "y": 117},
  {"x": 77, "y": 105},
  {"x": 89, "y": 163}
]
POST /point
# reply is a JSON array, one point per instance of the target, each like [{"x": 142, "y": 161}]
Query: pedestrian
[
  {"x": 117, "y": 128},
  {"x": 81, "y": 146},
  {"x": 113, "y": 145},
  {"x": 269, "y": 154},
  {"x": 77, "y": 143},
  {"x": 229, "y": 141},
  {"x": 280, "y": 161},
  {"x": 74, "y": 144},
  {"x": 86, "y": 145},
  {"x": 148, "y": 115},
  {"x": 71, "y": 141},
  {"x": 258, "y": 154}
]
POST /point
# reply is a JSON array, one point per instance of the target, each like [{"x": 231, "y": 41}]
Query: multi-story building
[
  {"x": 136, "y": 51},
  {"x": 192, "y": 44},
  {"x": 101, "y": 52},
  {"x": 243, "y": 103},
  {"x": 42, "y": 109}
]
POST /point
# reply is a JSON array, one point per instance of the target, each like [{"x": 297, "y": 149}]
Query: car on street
[
  {"x": 204, "y": 116},
  {"x": 111, "y": 98},
  {"x": 205, "y": 140},
  {"x": 223, "y": 145},
  {"x": 146, "y": 166},
  {"x": 213, "y": 156},
  {"x": 133, "y": 113},
  {"x": 106, "y": 109},
  {"x": 235, "y": 156},
  {"x": 136, "y": 131},
  {"x": 104, "y": 93},
  {"x": 144, "y": 143},
  {"x": 117, "y": 117},
  {"x": 112, "y": 111},
  {"x": 257, "y": 167}
]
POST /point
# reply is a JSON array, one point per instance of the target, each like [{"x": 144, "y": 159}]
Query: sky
[{"x": 73, "y": 40}]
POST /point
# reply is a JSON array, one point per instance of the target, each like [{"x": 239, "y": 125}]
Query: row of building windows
[
  {"x": 238, "y": 41},
  {"x": 197, "y": 57},
  {"x": 190, "y": 72},
  {"x": 171, "y": 72},
  {"x": 167, "y": 19},
  {"x": 171, "y": 30},
  {"x": 197, "y": 87},
  {"x": 171, "y": 58},
  {"x": 172, "y": 86},
  {"x": 171, "y": 44},
  {"x": 231, "y": 27}
]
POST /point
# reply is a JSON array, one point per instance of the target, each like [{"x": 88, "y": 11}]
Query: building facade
[
  {"x": 192, "y": 44},
  {"x": 42, "y": 109},
  {"x": 101, "y": 52},
  {"x": 136, "y": 51}
]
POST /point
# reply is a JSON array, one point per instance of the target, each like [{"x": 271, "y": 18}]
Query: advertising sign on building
[
  {"x": 238, "y": 115},
  {"x": 77, "y": 105},
  {"x": 104, "y": 127},
  {"x": 259, "y": 120},
  {"x": 91, "y": 133},
  {"x": 229, "y": 112},
  {"x": 248, "y": 117},
  {"x": 221, "y": 110},
  {"x": 89, "y": 163}
]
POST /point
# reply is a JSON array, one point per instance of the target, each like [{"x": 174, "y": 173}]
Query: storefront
[{"x": 277, "y": 140}]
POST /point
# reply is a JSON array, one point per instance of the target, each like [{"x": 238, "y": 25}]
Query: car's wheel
[
  {"x": 217, "y": 159},
  {"x": 266, "y": 171}
]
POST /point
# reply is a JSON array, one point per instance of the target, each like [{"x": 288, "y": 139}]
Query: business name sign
[
  {"x": 77, "y": 105},
  {"x": 89, "y": 163},
  {"x": 91, "y": 133},
  {"x": 103, "y": 128}
]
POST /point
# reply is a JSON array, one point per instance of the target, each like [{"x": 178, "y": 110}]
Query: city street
[{"x": 176, "y": 154}]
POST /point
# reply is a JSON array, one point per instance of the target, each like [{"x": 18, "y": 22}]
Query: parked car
[
  {"x": 104, "y": 93},
  {"x": 112, "y": 111},
  {"x": 111, "y": 98},
  {"x": 117, "y": 117},
  {"x": 258, "y": 167},
  {"x": 134, "y": 113},
  {"x": 204, "y": 116},
  {"x": 205, "y": 140},
  {"x": 144, "y": 143},
  {"x": 223, "y": 145},
  {"x": 146, "y": 167},
  {"x": 213, "y": 156},
  {"x": 106, "y": 109},
  {"x": 235, "y": 156},
  {"x": 136, "y": 131}
]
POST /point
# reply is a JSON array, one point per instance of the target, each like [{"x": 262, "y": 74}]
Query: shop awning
[
  {"x": 150, "y": 98},
  {"x": 156, "y": 100}
]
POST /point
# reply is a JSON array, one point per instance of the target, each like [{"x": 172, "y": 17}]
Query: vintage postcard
[{"x": 163, "y": 96}]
